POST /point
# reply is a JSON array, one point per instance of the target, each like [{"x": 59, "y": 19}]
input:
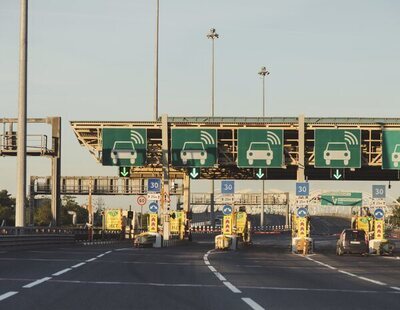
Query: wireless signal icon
[
  {"x": 273, "y": 138},
  {"x": 136, "y": 137},
  {"x": 206, "y": 137},
  {"x": 350, "y": 138}
]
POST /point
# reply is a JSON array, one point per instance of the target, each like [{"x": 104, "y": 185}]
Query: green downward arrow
[
  {"x": 260, "y": 174},
  {"x": 194, "y": 173},
  {"x": 124, "y": 172},
  {"x": 337, "y": 175}
]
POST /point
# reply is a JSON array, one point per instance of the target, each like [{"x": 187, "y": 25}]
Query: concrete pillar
[
  {"x": 301, "y": 163},
  {"x": 56, "y": 170},
  {"x": 186, "y": 192}
]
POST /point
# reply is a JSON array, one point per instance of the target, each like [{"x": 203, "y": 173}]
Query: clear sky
[{"x": 93, "y": 60}]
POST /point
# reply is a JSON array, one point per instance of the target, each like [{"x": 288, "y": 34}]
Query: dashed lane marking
[
  {"x": 220, "y": 276},
  {"x": 8, "y": 294},
  {"x": 395, "y": 288},
  {"x": 61, "y": 272},
  {"x": 212, "y": 268},
  {"x": 37, "y": 282},
  {"x": 252, "y": 304},
  {"x": 78, "y": 265},
  {"x": 91, "y": 260},
  {"x": 233, "y": 288}
]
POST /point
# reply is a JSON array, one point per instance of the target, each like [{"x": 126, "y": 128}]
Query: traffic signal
[
  {"x": 130, "y": 215},
  {"x": 124, "y": 172}
]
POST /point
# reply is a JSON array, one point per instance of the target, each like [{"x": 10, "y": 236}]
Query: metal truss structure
[{"x": 298, "y": 145}]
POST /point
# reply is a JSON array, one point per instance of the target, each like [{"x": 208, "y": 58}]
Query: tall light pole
[
  {"x": 212, "y": 34},
  {"x": 156, "y": 60},
  {"x": 22, "y": 103},
  {"x": 263, "y": 72}
]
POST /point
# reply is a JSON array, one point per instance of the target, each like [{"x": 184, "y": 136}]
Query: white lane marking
[
  {"x": 321, "y": 263},
  {"x": 371, "y": 280},
  {"x": 108, "y": 252},
  {"x": 78, "y": 265},
  {"x": 100, "y": 255},
  {"x": 391, "y": 257},
  {"x": 61, "y": 272},
  {"x": 37, "y": 282},
  {"x": 91, "y": 260},
  {"x": 395, "y": 288},
  {"x": 348, "y": 273},
  {"x": 206, "y": 262},
  {"x": 212, "y": 268},
  {"x": 305, "y": 289},
  {"x": 252, "y": 304},
  {"x": 6, "y": 295},
  {"x": 220, "y": 276},
  {"x": 233, "y": 288}
]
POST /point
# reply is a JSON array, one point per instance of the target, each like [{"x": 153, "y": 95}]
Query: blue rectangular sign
[
  {"x": 154, "y": 185},
  {"x": 228, "y": 187},
  {"x": 302, "y": 189},
  {"x": 378, "y": 191}
]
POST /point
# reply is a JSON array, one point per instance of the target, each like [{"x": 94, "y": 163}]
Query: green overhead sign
[
  {"x": 260, "y": 148},
  {"x": 124, "y": 147},
  {"x": 337, "y": 148},
  {"x": 341, "y": 199},
  {"x": 391, "y": 149},
  {"x": 193, "y": 147}
]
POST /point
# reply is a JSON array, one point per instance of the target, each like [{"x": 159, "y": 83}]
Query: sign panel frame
[
  {"x": 124, "y": 147},
  {"x": 257, "y": 145},
  {"x": 332, "y": 146},
  {"x": 194, "y": 147}
]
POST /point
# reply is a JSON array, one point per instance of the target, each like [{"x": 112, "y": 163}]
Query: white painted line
[
  {"x": 395, "y": 288},
  {"x": 348, "y": 273},
  {"x": 61, "y": 272},
  {"x": 6, "y": 295},
  {"x": 220, "y": 276},
  {"x": 101, "y": 255},
  {"x": 212, "y": 268},
  {"x": 321, "y": 263},
  {"x": 252, "y": 304},
  {"x": 233, "y": 288},
  {"x": 37, "y": 282},
  {"x": 108, "y": 252},
  {"x": 78, "y": 265},
  {"x": 206, "y": 262},
  {"x": 91, "y": 260},
  {"x": 373, "y": 281}
]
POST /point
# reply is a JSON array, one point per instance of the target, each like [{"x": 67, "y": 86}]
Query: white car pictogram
[
  {"x": 337, "y": 151},
  {"x": 259, "y": 151},
  {"x": 396, "y": 155},
  {"x": 192, "y": 151},
  {"x": 123, "y": 150}
]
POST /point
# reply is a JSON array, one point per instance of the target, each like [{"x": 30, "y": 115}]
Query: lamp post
[
  {"x": 156, "y": 60},
  {"x": 212, "y": 34},
  {"x": 22, "y": 104},
  {"x": 263, "y": 72}
]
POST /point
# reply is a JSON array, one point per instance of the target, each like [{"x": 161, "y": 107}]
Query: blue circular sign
[
  {"x": 379, "y": 213},
  {"x": 302, "y": 212},
  {"x": 227, "y": 210},
  {"x": 153, "y": 207}
]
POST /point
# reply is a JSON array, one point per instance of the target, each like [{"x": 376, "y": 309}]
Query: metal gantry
[{"x": 89, "y": 135}]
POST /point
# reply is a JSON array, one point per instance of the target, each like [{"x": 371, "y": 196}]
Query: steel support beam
[
  {"x": 165, "y": 177},
  {"x": 301, "y": 162},
  {"x": 56, "y": 170}
]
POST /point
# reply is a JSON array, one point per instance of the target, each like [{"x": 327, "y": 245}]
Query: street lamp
[
  {"x": 263, "y": 72},
  {"x": 212, "y": 34},
  {"x": 156, "y": 60}
]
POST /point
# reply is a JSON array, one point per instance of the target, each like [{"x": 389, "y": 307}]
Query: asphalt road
[{"x": 263, "y": 276}]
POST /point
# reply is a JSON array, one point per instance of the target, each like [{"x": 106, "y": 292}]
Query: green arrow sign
[
  {"x": 194, "y": 147},
  {"x": 260, "y": 174},
  {"x": 391, "y": 149},
  {"x": 260, "y": 148},
  {"x": 337, "y": 174},
  {"x": 194, "y": 173},
  {"x": 337, "y": 148},
  {"x": 124, "y": 172},
  {"x": 341, "y": 199},
  {"x": 124, "y": 147}
]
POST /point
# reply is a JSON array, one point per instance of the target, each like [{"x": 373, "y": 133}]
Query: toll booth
[{"x": 301, "y": 239}]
